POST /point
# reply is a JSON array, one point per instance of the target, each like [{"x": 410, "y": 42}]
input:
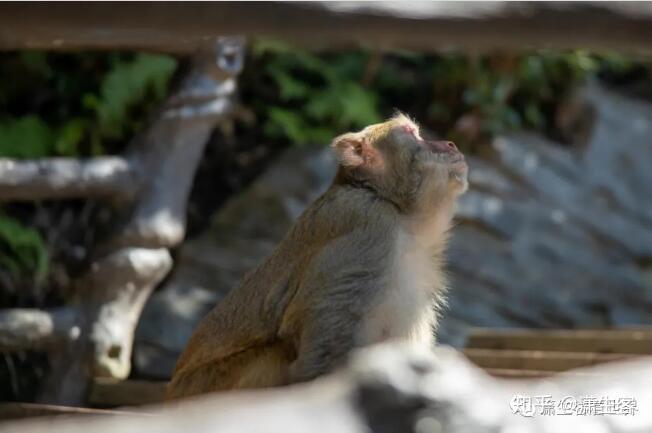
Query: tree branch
[
  {"x": 112, "y": 294},
  {"x": 117, "y": 288},
  {"x": 133, "y": 257},
  {"x": 170, "y": 150},
  {"x": 56, "y": 178},
  {"x": 31, "y": 328}
]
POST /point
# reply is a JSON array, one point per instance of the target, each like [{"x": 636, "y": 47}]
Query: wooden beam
[
  {"x": 29, "y": 328},
  {"x": 510, "y": 373},
  {"x": 634, "y": 341},
  {"x": 538, "y": 360},
  {"x": 424, "y": 26},
  {"x": 106, "y": 392},
  {"x": 59, "y": 178},
  {"x": 31, "y": 410}
]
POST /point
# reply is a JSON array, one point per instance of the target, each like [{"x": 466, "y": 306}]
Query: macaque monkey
[{"x": 362, "y": 265}]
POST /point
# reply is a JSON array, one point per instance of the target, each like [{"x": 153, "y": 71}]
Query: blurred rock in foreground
[
  {"x": 398, "y": 389},
  {"x": 549, "y": 237}
]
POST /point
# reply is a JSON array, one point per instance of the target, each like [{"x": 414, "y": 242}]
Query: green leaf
[
  {"x": 264, "y": 46},
  {"x": 69, "y": 137},
  {"x": 25, "y": 137},
  {"x": 283, "y": 122},
  {"x": 37, "y": 62},
  {"x": 358, "y": 106},
  {"x": 289, "y": 87},
  {"x": 23, "y": 249},
  {"x": 126, "y": 85},
  {"x": 533, "y": 115}
]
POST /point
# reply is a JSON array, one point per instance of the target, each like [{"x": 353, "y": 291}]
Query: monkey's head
[{"x": 393, "y": 160}]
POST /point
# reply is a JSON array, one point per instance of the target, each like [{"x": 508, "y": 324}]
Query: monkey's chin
[{"x": 459, "y": 177}]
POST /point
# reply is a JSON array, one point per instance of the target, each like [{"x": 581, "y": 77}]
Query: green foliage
[
  {"x": 23, "y": 249},
  {"x": 77, "y": 104},
  {"x": 314, "y": 96},
  {"x": 514, "y": 91},
  {"x": 305, "y": 97},
  {"x": 126, "y": 85},
  {"x": 91, "y": 103},
  {"x": 25, "y": 137},
  {"x": 69, "y": 105}
]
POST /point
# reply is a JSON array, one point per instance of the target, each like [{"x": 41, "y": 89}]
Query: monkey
[{"x": 362, "y": 265}]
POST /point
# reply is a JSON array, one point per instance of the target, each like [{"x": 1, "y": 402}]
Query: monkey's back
[
  {"x": 248, "y": 339},
  {"x": 241, "y": 331},
  {"x": 256, "y": 367},
  {"x": 237, "y": 333}
]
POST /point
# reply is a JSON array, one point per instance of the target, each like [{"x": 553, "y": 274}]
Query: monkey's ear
[{"x": 354, "y": 150}]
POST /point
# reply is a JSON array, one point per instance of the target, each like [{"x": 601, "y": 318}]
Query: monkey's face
[
  {"x": 393, "y": 159},
  {"x": 429, "y": 170}
]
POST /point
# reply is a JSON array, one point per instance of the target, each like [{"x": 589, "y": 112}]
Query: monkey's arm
[
  {"x": 337, "y": 290},
  {"x": 323, "y": 344},
  {"x": 332, "y": 312}
]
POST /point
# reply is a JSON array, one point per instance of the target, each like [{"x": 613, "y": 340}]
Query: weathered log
[
  {"x": 111, "y": 393},
  {"x": 32, "y": 410},
  {"x": 120, "y": 285},
  {"x": 31, "y": 328},
  {"x": 630, "y": 341},
  {"x": 425, "y": 26},
  {"x": 539, "y": 360},
  {"x": 57, "y": 178},
  {"x": 169, "y": 152},
  {"x": 134, "y": 258},
  {"x": 110, "y": 298}
]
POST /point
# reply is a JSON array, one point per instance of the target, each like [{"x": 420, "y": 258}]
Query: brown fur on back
[
  {"x": 248, "y": 321},
  {"x": 256, "y": 367}
]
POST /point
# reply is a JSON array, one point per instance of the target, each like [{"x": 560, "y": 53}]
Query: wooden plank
[
  {"x": 183, "y": 26},
  {"x": 114, "y": 393},
  {"x": 631, "y": 341},
  {"x": 29, "y": 410},
  {"x": 509, "y": 373},
  {"x": 538, "y": 360}
]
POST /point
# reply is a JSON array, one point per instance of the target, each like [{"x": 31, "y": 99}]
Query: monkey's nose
[
  {"x": 443, "y": 146},
  {"x": 450, "y": 145}
]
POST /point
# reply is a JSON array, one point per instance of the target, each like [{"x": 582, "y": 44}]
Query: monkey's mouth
[
  {"x": 456, "y": 158},
  {"x": 452, "y": 158},
  {"x": 458, "y": 167}
]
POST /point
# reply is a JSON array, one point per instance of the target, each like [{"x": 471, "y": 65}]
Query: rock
[{"x": 549, "y": 236}]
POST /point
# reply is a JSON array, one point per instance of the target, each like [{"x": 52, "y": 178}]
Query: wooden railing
[{"x": 538, "y": 353}]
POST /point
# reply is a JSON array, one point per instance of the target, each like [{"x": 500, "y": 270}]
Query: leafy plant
[
  {"x": 23, "y": 249},
  {"x": 91, "y": 103},
  {"x": 93, "y": 112},
  {"x": 126, "y": 85},
  {"x": 26, "y": 137},
  {"x": 305, "y": 97},
  {"x": 69, "y": 105},
  {"x": 313, "y": 96}
]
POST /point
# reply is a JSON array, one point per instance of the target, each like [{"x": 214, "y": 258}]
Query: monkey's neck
[{"x": 430, "y": 229}]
